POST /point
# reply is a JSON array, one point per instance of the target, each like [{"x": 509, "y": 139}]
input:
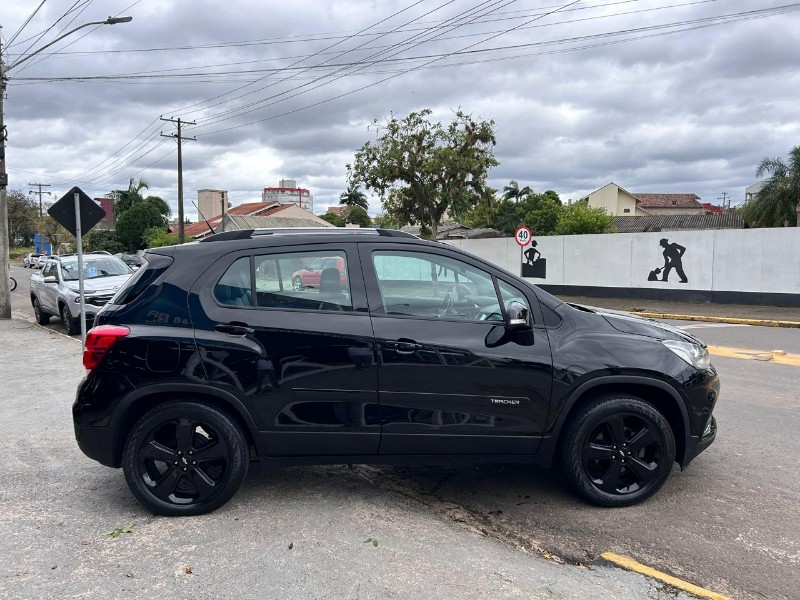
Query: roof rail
[{"x": 243, "y": 234}]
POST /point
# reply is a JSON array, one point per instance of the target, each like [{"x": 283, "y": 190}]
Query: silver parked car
[
  {"x": 54, "y": 291},
  {"x": 29, "y": 262}
]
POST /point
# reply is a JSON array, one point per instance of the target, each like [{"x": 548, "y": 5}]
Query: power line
[
  {"x": 25, "y": 24},
  {"x": 239, "y": 111}
]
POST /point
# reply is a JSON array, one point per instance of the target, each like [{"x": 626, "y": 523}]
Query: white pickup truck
[{"x": 54, "y": 289}]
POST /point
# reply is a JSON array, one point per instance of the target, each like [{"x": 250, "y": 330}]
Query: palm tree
[
  {"x": 126, "y": 199},
  {"x": 778, "y": 202},
  {"x": 353, "y": 197},
  {"x": 513, "y": 192}
]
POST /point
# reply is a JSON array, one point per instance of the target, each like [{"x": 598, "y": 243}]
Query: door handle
[
  {"x": 406, "y": 346},
  {"x": 234, "y": 329}
]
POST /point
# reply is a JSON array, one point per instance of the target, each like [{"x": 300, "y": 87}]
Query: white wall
[{"x": 737, "y": 260}]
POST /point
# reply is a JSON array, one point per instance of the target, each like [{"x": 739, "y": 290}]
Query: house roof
[
  {"x": 275, "y": 220},
  {"x": 668, "y": 200},
  {"x": 251, "y": 208},
  {"x": 338, "y": 210},
  {"x": 628, "y": 224}
]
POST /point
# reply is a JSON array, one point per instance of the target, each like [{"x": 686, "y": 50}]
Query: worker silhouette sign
[
  {"x": 534, "y": 265},
  {"x": 673, "y": 259}
]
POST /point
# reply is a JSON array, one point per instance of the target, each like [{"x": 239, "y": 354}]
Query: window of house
[
  {"x": 626, "y": 210},
  {"x": 428, "y": 285}
]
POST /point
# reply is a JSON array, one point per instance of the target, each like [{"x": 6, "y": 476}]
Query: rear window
[{"x": 152, "y": 268}]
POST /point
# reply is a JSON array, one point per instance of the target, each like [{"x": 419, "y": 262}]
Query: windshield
[{"x": 93, "y": 268}]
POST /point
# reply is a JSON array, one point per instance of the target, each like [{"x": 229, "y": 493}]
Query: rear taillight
[{"x": 99, "y": 341}]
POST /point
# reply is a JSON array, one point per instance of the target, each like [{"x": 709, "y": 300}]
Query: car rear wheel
[
  {"x": 72, "y": 325},
  {"x": 618, "y": 451},
  {"x": 42, "y": 318},
  {"x": 183, "y": 458},
  {"x": 297, "y": 283}
]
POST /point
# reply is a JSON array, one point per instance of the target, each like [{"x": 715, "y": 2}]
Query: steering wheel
[{"x": 458, "y": 293}]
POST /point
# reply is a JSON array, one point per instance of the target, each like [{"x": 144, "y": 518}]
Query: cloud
[{"x": 690, "y": 112}]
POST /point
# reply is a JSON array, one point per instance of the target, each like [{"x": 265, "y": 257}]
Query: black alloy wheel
[
  {"x": 184, "y": 458},
  {"x": 618, "y": 451},
  {"x": 42, "y": 318}
]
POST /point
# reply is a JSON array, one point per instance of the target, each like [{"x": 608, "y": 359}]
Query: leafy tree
[
  {"x": 540, "y": 212},
  {"x": 778, "y": 203},
  {"x": 23, "y": 213},
  {"x": 580, "y": 218},
  {"x": 513, "y": 192},
  {"x": 155, "y": 237},
  {"x": 102, "y": 239},
  {"x": 333, "y": 219},
  {"x": 357, "y": 216},
  {"x": 423, "y": 169},
  {"x": 124, "y": 200},
  {"x": 134, "y": 222},
  {"x": 385, "y": 221},
  {"x": 354, "y": 197}
]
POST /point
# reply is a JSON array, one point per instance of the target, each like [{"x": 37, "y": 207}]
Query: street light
[{"x": 5, "y": 292}]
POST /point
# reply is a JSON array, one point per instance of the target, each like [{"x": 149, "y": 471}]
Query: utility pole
[
  {"x": 39, "y": 193},
  {"x": 5, "y": 274},
  {"x": 223, "y": 205},
  {"x": 180, "y": 138},
  {"x": 726, "y": 202}
]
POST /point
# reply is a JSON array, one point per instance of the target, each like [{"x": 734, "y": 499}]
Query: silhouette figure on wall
[
  {"x": 534, "y": 265},
  {"x": 673, "y": 259}
]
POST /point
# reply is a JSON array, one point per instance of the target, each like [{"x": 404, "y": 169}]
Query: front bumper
[{"x": 696, "y": 444}]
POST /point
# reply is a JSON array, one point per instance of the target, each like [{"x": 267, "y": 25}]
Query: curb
[
  {"x": 707, "y": 319},
  {"x": 631, "y": 565}
]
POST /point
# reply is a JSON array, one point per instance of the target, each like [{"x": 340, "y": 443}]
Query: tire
[
  {"x": 154, "y": 458},
  {"x": 42, "y": 318},
  {"x": 13, "y": 284},
  {"x": 72, "y": 326},
  {"x": 297, "y": 284},
  {"x": 618, "y": 451}
]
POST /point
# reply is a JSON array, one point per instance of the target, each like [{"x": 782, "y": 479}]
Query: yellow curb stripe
[
  {"x": 707, "y": 319},
  {"x": 631, "y": 565},
  {"x": 775, "y": 356}
]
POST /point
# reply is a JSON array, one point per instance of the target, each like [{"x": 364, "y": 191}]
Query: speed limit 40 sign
[{"x": 523, "y": 236}]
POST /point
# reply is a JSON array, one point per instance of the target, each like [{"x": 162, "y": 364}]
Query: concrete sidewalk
[
  {"x": 299, "y": 533},
  {"x": 700, "y": 309}
]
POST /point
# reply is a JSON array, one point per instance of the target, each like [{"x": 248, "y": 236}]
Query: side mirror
[
  {"x": 50, "y": 279},
  {"x": 517, "y": 315}
]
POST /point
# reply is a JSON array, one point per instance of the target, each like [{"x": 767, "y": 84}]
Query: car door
[
  {"x": 49, "y": 291},
  {"x": 303, "y": 361},
  {"x": 453, "y": 379}
]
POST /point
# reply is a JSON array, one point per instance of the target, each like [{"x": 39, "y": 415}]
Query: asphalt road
[{"x": 730, "y": 522}]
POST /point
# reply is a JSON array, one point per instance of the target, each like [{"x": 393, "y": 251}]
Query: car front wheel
[
  {"x": 184, "y": 458},
  {"x": 72, "y": 325},
  {"x": 297, "y": 284},
  {"x": 618, "y": 451}
]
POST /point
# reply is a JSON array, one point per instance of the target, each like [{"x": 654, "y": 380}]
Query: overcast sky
[{"x": 655, "y": 95}]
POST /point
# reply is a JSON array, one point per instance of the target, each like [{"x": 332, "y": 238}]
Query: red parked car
[{"x": 310, "y": 276}]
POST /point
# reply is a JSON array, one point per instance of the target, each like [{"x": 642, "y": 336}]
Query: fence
[{"x": 749, "y": 266}]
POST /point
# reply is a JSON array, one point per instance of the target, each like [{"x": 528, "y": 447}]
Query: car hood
[
  {"x": 101, "y": 284},
  {"x": 629, "y": 323}
]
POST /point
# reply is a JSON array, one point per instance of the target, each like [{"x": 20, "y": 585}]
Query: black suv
[{"x": 398, "y": 350}]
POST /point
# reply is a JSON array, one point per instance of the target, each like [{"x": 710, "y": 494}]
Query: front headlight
[{"x": 695, "y": 355}]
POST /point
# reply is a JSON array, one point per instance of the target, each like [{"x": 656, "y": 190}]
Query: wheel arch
[
  {"x": 658, "y": 393},
  {"x": 143, "y": 399}
]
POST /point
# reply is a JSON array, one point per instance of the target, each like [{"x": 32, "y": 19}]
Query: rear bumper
[{"x": 97, "y": 443}]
